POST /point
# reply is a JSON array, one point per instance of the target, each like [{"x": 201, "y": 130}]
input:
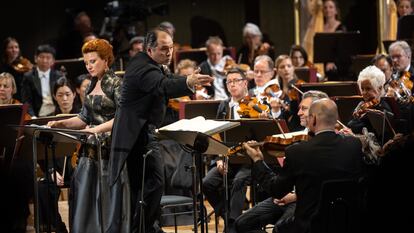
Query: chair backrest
[{"x": 340, "y": 207}]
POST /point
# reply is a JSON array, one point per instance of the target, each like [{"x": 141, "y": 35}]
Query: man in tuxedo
[
  {"x": 145, "y": 92},
  {"x": 272, "y": 210},
  {"x": 38, "y": 83},
  {"x": 214, "y": 66},
  {"x": 307, "y": 165}
]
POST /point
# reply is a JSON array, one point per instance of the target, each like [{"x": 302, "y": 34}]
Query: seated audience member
[
  {"x": 38, "y": 83},
  {"x": 277, "y": 211},
  {"x": 307, "y": 165},
  {"x": 404, "y": 7},
  {"x": 238, "y": 174},
  {"x": 82, "y": 82},
  {"x": 64, "y": 94},
  {"x": 214, "y": 66}
]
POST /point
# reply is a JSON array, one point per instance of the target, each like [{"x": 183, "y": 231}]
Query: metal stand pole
[{"x": 142, "y": 203}]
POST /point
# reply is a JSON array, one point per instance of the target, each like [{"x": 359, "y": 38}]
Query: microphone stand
[{"x": 142, "y": 202}]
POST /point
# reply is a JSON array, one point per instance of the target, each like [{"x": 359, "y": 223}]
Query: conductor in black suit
[
  {"x": 324, "y": 157},
  {"x": 145, "y": 92}
]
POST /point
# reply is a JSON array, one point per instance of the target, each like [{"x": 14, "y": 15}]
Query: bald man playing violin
[
  {"x": 307, "y": 165},
  {"x": 278, "y": 211}
]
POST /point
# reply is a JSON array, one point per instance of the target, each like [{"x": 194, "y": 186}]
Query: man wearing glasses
[
  {"x": 400, "y": 53},
  {"x": 238, "y": 174}
]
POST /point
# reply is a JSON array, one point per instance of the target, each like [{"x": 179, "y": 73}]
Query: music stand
[
  {"x": 194, "y": 108},
  {"x": 345, "y": 88},
  {"x": 382, "y": 122},
  {"x": 10, "y": 114},
  {"x": 199, "y": 143},
  {"x": 346, "y": 106},
  {"x": 405, "y": 28},
  {"x": 306, "y": 74},
  {"x": 72, "y": 67},
  {"x": 54, "y": 138},
  {"x": 336, "y": 47}
]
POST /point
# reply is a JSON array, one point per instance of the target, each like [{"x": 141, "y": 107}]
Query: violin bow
[
  {"x": 296, "y": 88},
  {"x": 280, "y": 128},
  {"x": 64, "y": 167}
]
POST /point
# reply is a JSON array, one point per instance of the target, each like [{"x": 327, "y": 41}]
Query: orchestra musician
[
  {"x": 97, "y": 116},
  {"x": 307, "y": 165},
  {"x": 400, "y": 53},
  {"x": 371, "y": 84},
  {"x": 214, "y": 66},
  {"x": 286, "y": 78},
  {"x": 14, "y": 63},
  {"x": 272, "y": 210},
  {"x": 238, "y": 174},
  {"x": 253, "y": 45},
  {"x": 7, "y": 89}
]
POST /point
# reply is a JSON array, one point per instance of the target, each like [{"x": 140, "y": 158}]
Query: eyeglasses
[
  {"x": 229, "y": 82},
  {"x": 261, "y": 71}
]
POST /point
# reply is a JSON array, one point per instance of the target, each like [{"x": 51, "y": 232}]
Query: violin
[
  {"x": 273, "y": 143},
  {"x": 250, "y": 107},
  {"x": 231, "y": 64},
  {"x": 174, "y": 103},
  {"x": 274, "y": 93},
  {"x": 22, "y": 65},
  {"x": 294, "y": 93},
  {"x": 363, "y": 108}
]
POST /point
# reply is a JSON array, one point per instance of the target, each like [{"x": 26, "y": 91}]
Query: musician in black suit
[
  {"x": 308, "y": 164},
  {"x": 145, "y": 92},
  {"x": 214, "y": 66},
  {"x": 237, "y": 174},
  {"x": 272, "y": 210},
  {"x": 38, "y": 83}
]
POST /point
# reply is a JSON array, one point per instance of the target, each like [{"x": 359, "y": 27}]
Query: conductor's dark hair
[{"x": 152, "y": 36}]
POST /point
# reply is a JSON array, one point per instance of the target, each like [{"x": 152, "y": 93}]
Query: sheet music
[{"x": 198, "y": 124}]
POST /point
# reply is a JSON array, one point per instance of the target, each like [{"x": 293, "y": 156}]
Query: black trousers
[
  {"x": 153, "y": 183},
  {"x": 238, "y": 177},
  {"x": 265, "y": 212}
]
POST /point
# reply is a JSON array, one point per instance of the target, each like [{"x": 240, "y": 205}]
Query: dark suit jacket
[
  {"x": 32, "y": 89},
  {"x": 144, "y": 96},
  {"x": 326, "y": 156},
  {"x": 205, "y": 69}
]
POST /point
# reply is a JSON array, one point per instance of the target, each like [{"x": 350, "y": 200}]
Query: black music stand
[
  {"x": 199, "y": 143},
  {"x": 337, "y": 47},
  {"x": 405, "y": 28},
  {"x": 194, "y": 108},
  {"x": 71, "y": 67},
  {"x": 54, "y": 140},
  {"x": 253, "y": 129},
  {"x": 10, "y": 114},
  {"x": 346, "y": 106},
  {"x": 383, "y": 123},
  {"x": 346, "y": 88}
]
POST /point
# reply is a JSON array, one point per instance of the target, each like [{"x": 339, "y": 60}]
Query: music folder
[{"x": 188, "y": 131}]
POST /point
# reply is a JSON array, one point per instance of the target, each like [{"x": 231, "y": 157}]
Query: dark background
[{"x": 36, "y": 22}]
